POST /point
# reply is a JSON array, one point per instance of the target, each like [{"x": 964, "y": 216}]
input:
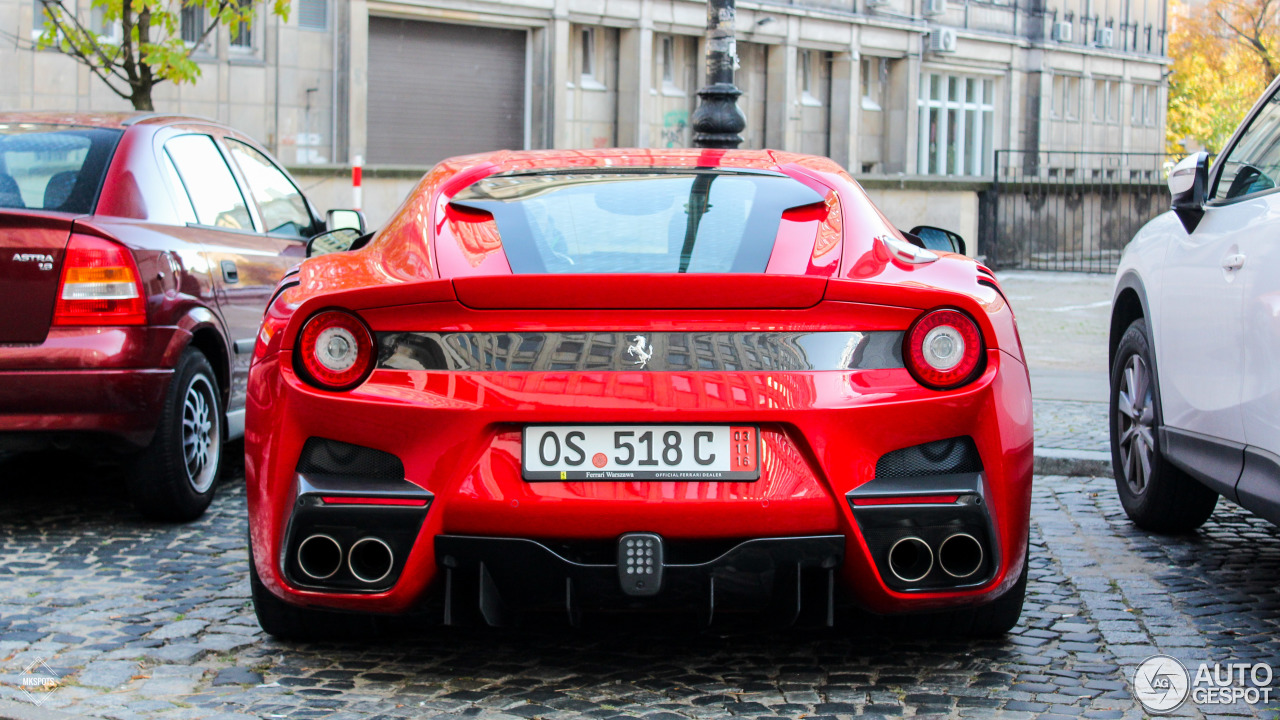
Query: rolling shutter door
[{"x": 438, "y": 90}]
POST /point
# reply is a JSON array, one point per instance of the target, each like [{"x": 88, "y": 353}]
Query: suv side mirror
[
  {"x": 333, "y": 241},
  {"x": 1188, "y": 183},
  {"x": 936, "y": 238},
  {"x": 344, "y": 219}
]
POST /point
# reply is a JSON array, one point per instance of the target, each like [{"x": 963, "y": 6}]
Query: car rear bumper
[
  {"x": 103, "y": 380},
  {"x": 121, "y": 403},
  {"x": 459, "y": 438},
  {"x": 498, "y": 577}
]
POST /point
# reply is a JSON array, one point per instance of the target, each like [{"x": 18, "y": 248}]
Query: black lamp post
[{"x": 717, "y": 121}]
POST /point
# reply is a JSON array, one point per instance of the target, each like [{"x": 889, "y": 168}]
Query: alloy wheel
[
  {"x": 201, "y": 438},
  {"x": 1135, "y": 424}
]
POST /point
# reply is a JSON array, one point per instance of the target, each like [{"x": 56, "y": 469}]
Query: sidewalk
[{"x": 1063, "y": 320}]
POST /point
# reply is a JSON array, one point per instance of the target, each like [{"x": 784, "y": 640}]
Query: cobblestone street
[{"x": 153, "y": 621}]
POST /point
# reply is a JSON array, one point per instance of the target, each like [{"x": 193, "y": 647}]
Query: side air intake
[
  {"x": 330, "y": 457},
  {"x": 941, "y": 457}
]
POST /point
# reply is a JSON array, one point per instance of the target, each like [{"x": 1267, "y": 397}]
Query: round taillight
[
  {"x": 335, "y": 350},
  {"x": 943, "y": 349}
]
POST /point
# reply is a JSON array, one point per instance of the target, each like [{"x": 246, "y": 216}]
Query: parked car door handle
[
  {"x": 1233, "y": 262},
  {"x": 229, "y": 272}
]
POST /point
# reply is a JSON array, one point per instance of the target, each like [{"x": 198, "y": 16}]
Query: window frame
[
  {"x": 250, "y": 205},
  {"x": 205, "y": 48},
  {"x": 810, "y": 76},
  {"x": 246, "y": 187},
  {"x": 873, "y": 88},
  {"x": 1066, "y": 96},
  {"x": 323, "y": 27},
  {"x": 1219, "y": 165},
  {"x": 983, "y": 110},
  {"x": 669, "y": 78},
  {"x": 247, "y": 29}
]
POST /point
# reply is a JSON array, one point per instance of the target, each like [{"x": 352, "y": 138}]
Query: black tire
[
  {"x": 283, "y": 621},
  {"x": 1156, "y": 495},
  {"x": 174, "y": 479}
]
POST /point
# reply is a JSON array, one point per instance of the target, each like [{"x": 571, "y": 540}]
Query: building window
[
  {"x": 40, "y": 20},
  {"x": 670, "y": 72},
  {"x": 1144, "y": 105},
  {"x": 192, "y": 20},
  {"x": 874, "y": 72},
  {"x": 1106, "y": 101},
  {"x": 957, "y": 124},
  {"x": 589, "y": 55},
  {"x": 810, "y": 94},
  {"x": 106, "y": 30},
  {"x": 242, "y": 36},
  {"x": 313, "y": 14},
  {"x": 1064, "y": 103}
]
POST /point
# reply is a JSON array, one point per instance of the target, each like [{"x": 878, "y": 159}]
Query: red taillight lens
[
  {"x": 100, "y": 285},
  {"x": 943, "y": 349},
  {"x": 335, "y": 350}
]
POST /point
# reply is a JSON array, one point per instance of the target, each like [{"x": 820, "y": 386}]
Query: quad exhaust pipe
[
  {"x": 959, "y": 555},
  {"x": 369, "y": 560},
  {"x": 910, "y": 559},
  {"x": 319, "y": 557}
]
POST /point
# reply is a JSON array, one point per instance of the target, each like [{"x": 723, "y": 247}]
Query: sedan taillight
[
  {"x": 100, "y": 285},
  {"x": 943, "y": 349},
  {"x": 335, "y": 350}
]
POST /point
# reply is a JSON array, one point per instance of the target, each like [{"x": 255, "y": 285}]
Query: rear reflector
[
  {"x": 907, "y": 500},
  {"x": 100, "y": 285},
  {"x": 338, "y": 500}
]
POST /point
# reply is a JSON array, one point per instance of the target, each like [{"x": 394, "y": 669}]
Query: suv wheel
[
  {"x": 175, "y": 477},
  {"x": 1156, "y": 495}
]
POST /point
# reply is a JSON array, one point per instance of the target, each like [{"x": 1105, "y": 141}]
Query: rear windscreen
[
  {"x": 677, "y": 221},
  {"x": 53, "y": 167}
]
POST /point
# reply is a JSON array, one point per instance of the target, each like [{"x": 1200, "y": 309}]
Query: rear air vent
[
  {"x": 331, "y": 457},
  {"x": 941, "y": 457}
]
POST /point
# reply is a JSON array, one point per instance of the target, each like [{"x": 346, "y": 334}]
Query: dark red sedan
[{"x": 137, "y": 252}]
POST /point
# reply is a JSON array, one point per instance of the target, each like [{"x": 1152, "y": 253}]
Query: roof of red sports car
[{"x": 518, "y": 160}]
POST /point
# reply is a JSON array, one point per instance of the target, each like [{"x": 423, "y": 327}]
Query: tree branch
[{"x": 70, "y": 46}]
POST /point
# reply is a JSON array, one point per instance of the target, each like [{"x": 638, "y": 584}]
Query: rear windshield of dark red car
[
  {"x": 683, "y": 220},
  {"x": 53, "y": 167}
]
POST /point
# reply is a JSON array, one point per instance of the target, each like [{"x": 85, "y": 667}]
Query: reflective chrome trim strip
[{"x": 631, "y": 351}]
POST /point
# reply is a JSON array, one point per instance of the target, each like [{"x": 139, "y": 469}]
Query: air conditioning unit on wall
[
  {"x": 1061, "y": 32},
  {"x": 935, "y": 7},
  {"x": 1104, "y": 37},
  {"x": 942, "y": 40}
]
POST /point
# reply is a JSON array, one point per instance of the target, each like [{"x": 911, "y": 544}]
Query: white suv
[{"x": 1195, "y": 339}]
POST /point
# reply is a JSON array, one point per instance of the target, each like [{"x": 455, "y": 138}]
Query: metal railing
[{"x": 1069, "y": 211}]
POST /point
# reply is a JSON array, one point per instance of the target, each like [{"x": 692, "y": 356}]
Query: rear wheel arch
[
  {"x": 209, "y": 342},
  {"x": 1130, "y": 304},
  {"x": 207, "y": 337}
]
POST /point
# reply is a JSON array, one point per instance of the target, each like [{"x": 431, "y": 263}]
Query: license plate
[{"x": 620, "y": 453}]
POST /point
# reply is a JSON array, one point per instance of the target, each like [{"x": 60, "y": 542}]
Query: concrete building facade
[{"x": 907, "y": 90}]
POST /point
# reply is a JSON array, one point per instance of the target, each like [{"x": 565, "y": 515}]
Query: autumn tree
[
  {"x": 149, "y": 49},
  {"x": 1224, "y": 55}
]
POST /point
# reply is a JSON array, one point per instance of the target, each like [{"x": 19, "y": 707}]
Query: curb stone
[{"x": 1061, "y": 461}]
